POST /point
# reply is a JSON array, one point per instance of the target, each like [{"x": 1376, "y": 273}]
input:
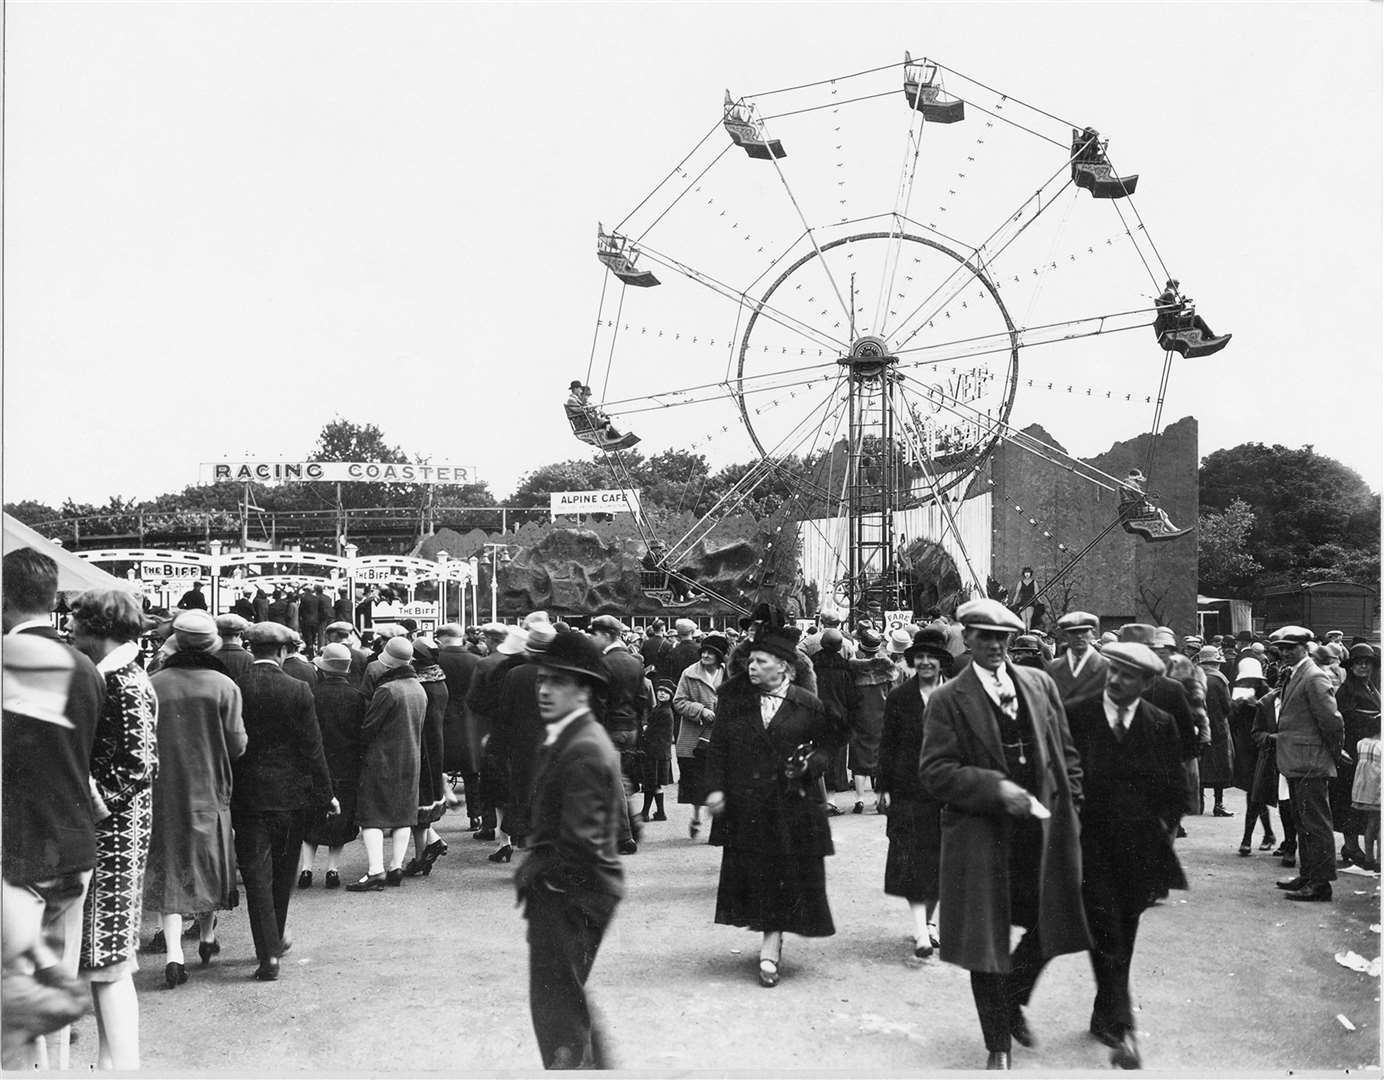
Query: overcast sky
[{"x": 227, "y": 224}]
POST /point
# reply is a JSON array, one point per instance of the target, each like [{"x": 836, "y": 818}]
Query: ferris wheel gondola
[{"x": 872, "y": 353}]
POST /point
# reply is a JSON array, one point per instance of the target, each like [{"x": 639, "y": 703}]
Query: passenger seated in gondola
[
  {"x": 1135, "y": 503},
  {"x": 1086, "y": 148},
  {"x": 588, "y": 422},
  {"x": 1176, "y": 313}
]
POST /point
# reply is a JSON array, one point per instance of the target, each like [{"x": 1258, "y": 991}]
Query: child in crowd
[
  {"x": 658, "y": 750},
  {"x": 1364, "y": 795}
]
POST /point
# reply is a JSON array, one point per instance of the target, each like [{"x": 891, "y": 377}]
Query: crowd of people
[{"x": 1025, "y": 781}]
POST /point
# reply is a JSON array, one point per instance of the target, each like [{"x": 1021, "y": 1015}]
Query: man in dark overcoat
[
  {"x": 519, "y": 716},
  {"x": 482, "y": 704},
  {"x": 280, "y": 778},
  {"x": 1132, "y": 780},
  {"x": 461, "y": 752},
  {"x": 627, "y": 707},
  {"x": 1080, "y": 671},
  {"x": 234, "y": 656},
  {"x": 571, "y": 880},
  {"x": 997, "y": 754}
]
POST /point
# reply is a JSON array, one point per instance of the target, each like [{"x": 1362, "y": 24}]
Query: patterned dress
[{"x": 124, "y": 760}]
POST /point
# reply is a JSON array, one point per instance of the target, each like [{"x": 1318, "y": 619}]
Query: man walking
[
  {"x": 281, "y": 777},
  {"x": 1310, "y": 732},
  {"x": 571, "y": 880},
  {"x": 1080, "y": 671},
  {"x": 1131, "y": 773},
  {"x": 627, "y": 708},
  {"x": 997, "y": 754}
]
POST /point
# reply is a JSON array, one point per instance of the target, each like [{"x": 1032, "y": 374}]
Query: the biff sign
[{"x": 281, "y": 472}]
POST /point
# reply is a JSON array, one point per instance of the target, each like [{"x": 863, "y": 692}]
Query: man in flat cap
[
  {"x": 628, "y": 704},
  {"x": 997, "y": 754},
  {"x": 684, "y": 653},
  {"x": 571, "y": 880},
  {"x": 1131, "y": 776},
  {"x": 1080, "y": 671},
  {"x": 280, "y": 778},
  {"x": 1310, "y": 734},
  {"x": 342, "y": 632},
  {"x": 234, "y": 656}
]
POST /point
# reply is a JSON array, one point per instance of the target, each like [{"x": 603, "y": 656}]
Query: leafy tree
[
  {"x": 1223, "y": 559},
  {"x": 31, "y": 512}
]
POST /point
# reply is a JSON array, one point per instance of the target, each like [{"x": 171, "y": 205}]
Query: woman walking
[
  {"x": 874, "y": 677},
  {"x": 1358, "y": 702},
  {"x": 391, "y": 735},
  {"x": 106, "y": 627},
  {"x": 1217, "y": 765},
  {"x": 340, "y": 712},
  {"x": 1248, "y": 691},
  {"x": 915, "y": 820},
  {"x": 428, "y": 847},
  {"x": 200, "y": 732},
  {"x": 770, "y": 743},
  {"x": 694, "y": 703}
]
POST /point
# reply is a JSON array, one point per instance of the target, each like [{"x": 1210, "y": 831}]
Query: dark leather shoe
[
  {"x": 1125, "y": 1054},
  {"x": 369, "y": 883},
  {"x": 1107, "y": 1035},
  {"x": 1291, "y": 883},
  {"x": 1221, "y": 811},
  {"x": 332, "y": 880},
  {"x": 483, "y": 834},
  {"x": 998, "y": 1059},
  {"x": 1311, "y": 893},
  {"x": 1019, "y": 1029},
  {"x": 207, "y": 949},
  {"x": 305, "y": 879},
  {"x": 628, "y": 847},
  {"x": 268, "y": 971},
  {"x": 394, "y": 877},
  {"x": 174, "y": 975},
  {"x": 417, "y": 868}
]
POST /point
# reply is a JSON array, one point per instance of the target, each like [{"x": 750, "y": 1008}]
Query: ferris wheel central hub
[{"x": 868, "y": 356}]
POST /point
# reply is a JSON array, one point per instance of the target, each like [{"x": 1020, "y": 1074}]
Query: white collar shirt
[
  {"x": 1117, "y": 714},
  {"x": 557, "y": 727},
  {"x": 770, "y": 700},
  {"x": 30, "y": 624},
  {"x": 1000, "y": 687},
  {"x": 1074, "y": 665}
]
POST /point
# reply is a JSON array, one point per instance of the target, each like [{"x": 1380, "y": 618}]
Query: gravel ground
[{"x": 432, "y": 978}]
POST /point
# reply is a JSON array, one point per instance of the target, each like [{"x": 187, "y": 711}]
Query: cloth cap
[
  {"x": 1025, "y": 643},
  {"x": 899, "y": 640},
  {"x": 496, "y": 628},
  {"x": 268, "y": 633},
  {"x": 451, "y": 630},
  {"x": 1164, "y": 638},
  {"x": 424, "y": 653},
  {"x": 341, "y": 626},
  {"x": 1138, "y": 633},
  {"x": 985, "y": 614},
  {"x": 535, "y": 617},
  {"x": 1334, "y": 634},
  {"x": 1294, "y": 635},
  {"x": 541, "y": 636},
  {"x": 1250, "y": 668},
  {"x": 685, "y": 627},
  {"x": 666, "y": 685},
  {"x": 1193, "y": 639},
  {"x": 718, "y": 644},
  {"x": 516, "y": 641},
  {"x": 1209, "y": 654},
  {"x": 1108, "y": 637},
  {"x": 335, "y": 659},
  {"x": 389, "y": 630},
  {"x": 231, "y": 625},
  {"x": 196, "y": 631},
  {"x": 1132, "y": 655},
  {"x": 608, "y": 624},
  {"x": 930, "y": 640},
  {"x": 573, "y": 651},
  {"x": 868, "y": 639},
  {"x": 1078, "y": 620},
  {"x": 398, "y": 651},
  {"x": 776, "y": 643}
]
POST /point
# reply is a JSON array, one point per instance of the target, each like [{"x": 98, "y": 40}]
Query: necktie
[{"x": 1121, "y": 722}]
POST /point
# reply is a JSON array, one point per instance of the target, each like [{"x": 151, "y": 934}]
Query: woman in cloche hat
[{"x": 915, "y": 821}]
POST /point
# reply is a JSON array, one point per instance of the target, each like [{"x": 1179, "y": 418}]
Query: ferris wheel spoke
[
  {"x": 672, "y": 173},
  {"x": 822, "y": 340},
  {"x": 1007, "y": 97},
  {"x": 888, "y": 274},
  {"x": 989, "y": 250},
  {"x": 1024, "y": 337},
  {"x": 729, "y": 388}
]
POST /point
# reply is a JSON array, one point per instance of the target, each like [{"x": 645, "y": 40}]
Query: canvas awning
[{"x": 74, "y": 574}]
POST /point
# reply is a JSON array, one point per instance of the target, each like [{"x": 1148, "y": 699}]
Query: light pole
[
  {"x": 494, "y": 550},
  {"x": 442, "y": 558},
  {"x": 475, "y": 569},
  {"x": 214, "y": 549}
]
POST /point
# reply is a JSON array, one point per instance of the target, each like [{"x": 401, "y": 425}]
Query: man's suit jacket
[
  {"x": 626, "y": 701},
  {"x": 1310, "y": 728},
  {"x": 1133, "y": 798},
  {"x": 283, "y": 767},
  {"x": 48, "y": 825},
  {"x": 1071, "y": 687},
  {"x": 574, "y": 820}
]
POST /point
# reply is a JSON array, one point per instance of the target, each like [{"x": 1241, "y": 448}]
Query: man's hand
[
  {"x": 1016, "y": 800},
  {"x": 882, "y": 801},
  {"x": 716, "y": 803}
]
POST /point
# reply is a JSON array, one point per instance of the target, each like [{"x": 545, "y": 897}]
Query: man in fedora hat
[
  {"x": 1310, "y": 733},
  {"x": 997, "y": 754},
  {"x": 628, "y": 704},
  {"x": 571, "y": 879},
  {"x": 1080, "y": 671},
  {"x": 1131, "y": 777}
]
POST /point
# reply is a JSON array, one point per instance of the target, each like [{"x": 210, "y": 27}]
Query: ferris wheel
[{"x": 853, "y": 281}]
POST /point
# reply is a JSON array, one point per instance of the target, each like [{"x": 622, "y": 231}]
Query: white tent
[{"x": 74, "y": 574}]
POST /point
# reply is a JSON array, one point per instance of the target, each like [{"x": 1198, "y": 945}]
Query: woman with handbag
[
  {"x": 694, "y": 706},
  {"x": 770, "y": 743}
]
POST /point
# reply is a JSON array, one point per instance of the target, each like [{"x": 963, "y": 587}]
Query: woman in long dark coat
[
  {"x": 1264, "y": 789},
  {"x": 391, "y": 735},
  {"x": 106, "y": 626},
  {"x": 874, "y": 677},
  {"x": 770, "y": 742},
  {"x": 1358, "y": 703},
  {"x": 1245, "y": 695},
  {"x": 915, "y": 821},
  {"x": 340, "y": 712},
  {"x": 837, "y": 691},
  {"x": 428, "y": 847},
  {"x": 1217, "y": 763}
]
